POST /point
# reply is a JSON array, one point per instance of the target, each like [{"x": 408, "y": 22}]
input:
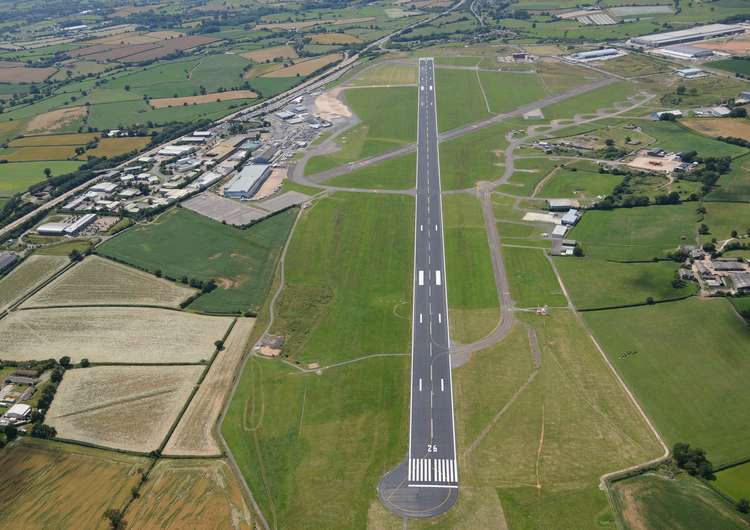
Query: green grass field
[
  {"x": 735, "y": 481},
  {"x": 395, "y": 174},
  {"x": 473, "y": 157},
  {"x": 672, "y": 136},
  {"x": 18, "y": 176},
  {"x": 388, "y": 120},
  {"x": 182, "y": 243},
  {"x": 735, "y": 185},
  {"x": 736, "y": 66},
  {"x": 459, "y": 98},
  {"x": 348, "y": 279},
  {"x": 724, "y": 217},
  {"x": 657, "y": 501},
  {"x": 635, "y": 233},
  {"x": 686, "y": 358},
  {"x": 538, "y": 440},
  {"x": 472, "y": 297},
  {"x": 532, "y": 281},
  {"x": 595, "y": 283},
  {"x": 307, "y": 441},
  {"x": 579, "y": 184},
  {"x": 590, "y": 101},
  {"x": 507, "y": 91},
  {"x": 528, "y": 172}
]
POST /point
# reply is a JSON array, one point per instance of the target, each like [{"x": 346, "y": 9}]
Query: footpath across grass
[
  {"x": 348, "y": 278},
  {"x": 683, "y": 360},
  {"x": 182, "y": 243}
]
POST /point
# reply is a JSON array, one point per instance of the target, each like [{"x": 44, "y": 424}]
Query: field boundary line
[
  {"x": 32, "y": 292},
  {"x": 484, "y": 94}
]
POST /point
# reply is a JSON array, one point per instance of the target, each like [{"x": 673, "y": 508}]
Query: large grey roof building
[
  {"x": 688, "y": 35},
  {"x": 247, "y": 182}
]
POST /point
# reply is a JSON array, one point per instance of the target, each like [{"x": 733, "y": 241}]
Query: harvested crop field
[
  {"x": 269, "y": 54},
  {"x": 31, "y": 273},
  {"x": 54, "y": 485},
  {"x": 122, "y": 407},
  {"x": 131, "y": 53},
  {"x": 33, "y": 154},
  {"x": 55, "y": 119},
  {"x": 190, "y": 494},
  {"x": 110, "y": 334},
  {"x": 736, "y": 127},
  {"x": 111, "y": 147},
  {"x": 99, "y": 281},
  {"x": 305, "y": 68},
  {"x": 24, "y": 74},
  {"x": 45, "y": 140},
  {"x": 334, "y": 38},
  {"x": 229, "y": 95},
  {"x": 194, "y": 433},
  {"x": 309, "y": 23}
]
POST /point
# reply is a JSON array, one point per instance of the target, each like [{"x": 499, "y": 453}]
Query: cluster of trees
[
  {"x": 708, "y": 174},
  {"x": 693, "y": 460}
]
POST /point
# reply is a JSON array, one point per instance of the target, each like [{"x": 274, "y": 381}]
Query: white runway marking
[
  {"x": 433, "y": 470},
  {"x": 420, "y": 318},
  {"x": 420, "y": 384},
  {"x": 421, "y": 277},
  {"x": 440, "y": 318},
  {"x": 438, "y": 280},
  {"x": 442, "y": 384}
]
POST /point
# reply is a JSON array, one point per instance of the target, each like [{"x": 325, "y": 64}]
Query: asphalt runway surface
[{"x": 426, "y": 484}]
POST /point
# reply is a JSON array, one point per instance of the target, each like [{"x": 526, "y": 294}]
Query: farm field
[
  {"x": 303, "y": 440},
  {"x": 17, "y": 177},
  {"x": 387, "y": 74},
  {"x": 28, "y": 275},
  {"x": 674, "y": 137},
  {"x": 111, "y": 335},
  {"x": 537, "y": 438},
  {"x": 348, "y": 279},
  {"x": 229, "y": 95},
  {"x": 305, "y": 68},
  {"x": 738, "y": 66},
  {"x": 596, "y": 283},
  {"x": 532, "y": 281},
  {"x": 591, "y": 101},
  {"x": 507, "y": 91},
  {"x": 395, "y": 174},
  {"x": 657, "y": 501},
  {"x": 182, "y": 243},
  {"x": 190, "y": 493},
  {"x": 635, "y": 233},
  {"x": 735, "y": 185},
  {"x": 334, "y": 38},
  {"x": 722, "y": 218},
  {"x": 737, "y": 128},
  {"x": 122, "y": 407},
  {"x": 99, "y": 281},
  {"x": 472, "y": 296},
  {"x": 735, "y": 481},
  {"x": 269, "y": 54},
  {"x": 43, "y": 483},
  {"x": 658, "y": 364},
  {"x": 194, "y": 433},
  {"x": 527, "y": 174}
]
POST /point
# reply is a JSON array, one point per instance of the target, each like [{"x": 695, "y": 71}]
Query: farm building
[
  {"x": 247, "y": 182},
  {"x": 688, "y": 35},
  {"x": 7, "y": 260},
  {"x": 559, "y": 231},
  {"x": 740, "y": 281},
  {"x": 691, "y": 73},
  {"x": 17, "y": 413},
  {"x": 728, "y": 265},
  {"x": 570, "y": 217},
  {"x": 562, "y": 205},
  {"x": 674, "y": 112}
]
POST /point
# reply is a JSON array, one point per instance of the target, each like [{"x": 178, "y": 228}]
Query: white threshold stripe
[{"x": 432, "y": 470}]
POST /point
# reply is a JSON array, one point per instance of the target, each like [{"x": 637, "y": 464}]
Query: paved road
[{"x": 427, "y": 483}]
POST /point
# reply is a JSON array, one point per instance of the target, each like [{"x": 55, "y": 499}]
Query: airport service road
[
  {"x": 426, "y": 484},
  {"x": 432, "y": 447}
]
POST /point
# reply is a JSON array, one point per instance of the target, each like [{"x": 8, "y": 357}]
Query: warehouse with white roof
[{"x": 247, "y": 182}]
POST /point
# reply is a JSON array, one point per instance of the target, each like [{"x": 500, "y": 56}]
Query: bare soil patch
[
  {"x": 24, "y": 74},
  {"x": 272, "y": 183},
  {"x": 304, "y": 68},
  {"x": 736, "y": 127},
  {"x": 123, "y": 407},
  {"x": 206, "y": 98},
  {"x": 191, "y": 494},
  {"x": 334, "y": 38},
  {"x": 330, "y": 107},
  {"x": 739, "y": 46},
  {"x": 194, "y": 433},
  {"x": 110, "y": 334},
  {"x": 99, "y": 281},
  {"x": 55, "y": 119},
  {"x": 269, "y": 54}
]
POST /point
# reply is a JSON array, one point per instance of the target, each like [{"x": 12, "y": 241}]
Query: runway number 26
[{"x": 431, "y": 448}]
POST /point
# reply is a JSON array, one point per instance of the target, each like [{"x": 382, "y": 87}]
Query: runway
[{"x": 426, "y": 484}]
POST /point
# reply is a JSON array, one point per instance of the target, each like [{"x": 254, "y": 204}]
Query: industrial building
[
  {"x": 18, "y": 413},
  {"x": 570, "y": 217},
  {"x": 691, "y": 73},
  {"x": 562, "y": 205},
  {"x": 7, "y": 260},
  {"x": 247, "y": 182},
  {"x": 265, "y": 155},
  {"x": 68, "y": 228},
  {"x": 688, "y": 35},
  {"x": 685, "y": 52},
  {"x": 596, "y": 55}
]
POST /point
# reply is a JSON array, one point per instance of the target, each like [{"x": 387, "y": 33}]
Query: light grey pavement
[{"x": 426, "y": 483}]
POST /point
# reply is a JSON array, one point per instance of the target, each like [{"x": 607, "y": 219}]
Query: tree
[
  {"x": 42, "y": 430},
  {"x": 693, "y": 460},
  {"x": 219, "y": 344},
  {"x": 650, "y": 300},
  {"x": 75, "y": 255},
  {"x": 64, "y": 361},
  {"x": 703, "y": 229},
  {"x": 743, "y": 505},
  {"x": 57, "y": 375},
  {"x": 85, "y": 363},
  {"x": 609, "y": 142},
  {"x": 115, "y": 518},
  {"x": 11, "y": 433},
  {"x": 47, "y": 172}
]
